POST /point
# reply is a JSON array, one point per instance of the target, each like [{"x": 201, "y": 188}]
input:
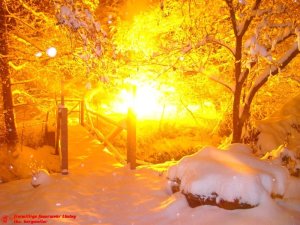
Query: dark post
[
  {"x": 58, "y": 128},
  {"x": 131, "y": 132},
  {"x": 62, "y": 94},
  {"x": 82, "y": 112},
  {"x": 64, "y": 141}
]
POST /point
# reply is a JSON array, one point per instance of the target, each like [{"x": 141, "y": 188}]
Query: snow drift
[{"x": 232, "y": 175}]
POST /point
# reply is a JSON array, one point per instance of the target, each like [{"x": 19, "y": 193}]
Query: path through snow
[{"x": 98, "y": 190}]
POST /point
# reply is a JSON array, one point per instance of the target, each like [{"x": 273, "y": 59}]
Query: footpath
[{"x": 85, "y": 151}]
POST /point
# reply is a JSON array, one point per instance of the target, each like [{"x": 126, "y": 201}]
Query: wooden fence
[{"x": 91, "y": 119}]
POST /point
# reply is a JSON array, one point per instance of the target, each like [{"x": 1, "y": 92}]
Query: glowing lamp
[
  {"x": 38, "y": 54},
  {"x": 51, "y": 52}
]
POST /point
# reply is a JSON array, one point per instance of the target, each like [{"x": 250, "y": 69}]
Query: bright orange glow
[
  {"x": 205, "y": 109},
  {"x": 148, "y": 102},
  {"x": 151, "y": 102}
]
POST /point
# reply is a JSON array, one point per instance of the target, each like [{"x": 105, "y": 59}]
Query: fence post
[
  {"x": 82, "y": 112},
  {"x": 58, "y": 128},
  {"x": 131, "y": 132},
  {"x": 64, "y": 141}
]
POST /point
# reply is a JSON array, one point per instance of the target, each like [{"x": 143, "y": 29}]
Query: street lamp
[
  {"x": 51, "y": 52},
  {"x": 62, "y": 122}
]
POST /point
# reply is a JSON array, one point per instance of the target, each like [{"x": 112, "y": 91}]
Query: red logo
[{"x": 4, "y": 219}]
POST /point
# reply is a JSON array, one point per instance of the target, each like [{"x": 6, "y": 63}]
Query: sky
[{"x": 99, "y": 190}]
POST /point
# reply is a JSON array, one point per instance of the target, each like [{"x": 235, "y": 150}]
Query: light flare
[{"x": 146, "y": 102}]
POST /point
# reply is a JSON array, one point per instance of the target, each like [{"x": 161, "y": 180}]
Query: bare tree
[
  {"x": 10, "y": 126},
  {"x": 258, "y": 48}
]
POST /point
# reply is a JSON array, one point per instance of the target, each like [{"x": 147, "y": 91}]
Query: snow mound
[
  {"x": 282, "y": 128},
  {"x": 229, "y": 175},
  {"x": 41, "y": 177},
  {"x": 285, "y": 157}
]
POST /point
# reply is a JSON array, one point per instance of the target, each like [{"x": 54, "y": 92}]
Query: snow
[
  {"x": 26, "y": 161},
  {"x": 99, "y": 190},
  {"x": 281, "y": 128},
  {"x": 40, "y": 177},
  {"x": 243, "y": 176}
]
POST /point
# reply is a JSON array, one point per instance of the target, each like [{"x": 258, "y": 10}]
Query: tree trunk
[
  {"x": 241, "y": 117},
  {"x": 9, "y": 120},
  {"x": 236, "y": 121},
  {"x": 237, "y": 124}
]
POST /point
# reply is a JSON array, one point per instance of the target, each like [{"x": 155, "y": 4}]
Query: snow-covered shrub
[
  {"x": 26, "y": 161},
  {"x": 230, "y": 179},
  {"x": 285, "y": 157},
  {"x": 282, "y": 128},
  {"x": 32, "y": 136}
]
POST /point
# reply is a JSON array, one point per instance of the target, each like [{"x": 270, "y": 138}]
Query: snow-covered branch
[
  {"x": 12, "y": 15},
  {"x": 232, "y": 16},
  {"x": 22, "y": 38},
  {"x": 35, "y": 13},
  {"x": 244, "y": 26},
  {"x": 221, "y": 43},
  {"x": 272, "y": 70},
  {"x": 282, "y": 37},
  {"x": 282, "y": 62},
  {"x": 17, "y": 67}
]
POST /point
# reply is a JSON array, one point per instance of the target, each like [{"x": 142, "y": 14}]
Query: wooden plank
[
  {"x": 116, "y": 131},
  {"x": 72, "y": 109},
  {"x": 107, "y": 119}
]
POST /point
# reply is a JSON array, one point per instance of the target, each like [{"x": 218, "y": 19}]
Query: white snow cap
[
  {"x": 233, "y": 174},
  {"x": 41, "y": 177}
]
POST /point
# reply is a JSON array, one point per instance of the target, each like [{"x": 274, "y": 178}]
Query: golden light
[
  {"x": 147, "y": 101},
  {"x": 38, "y": 54},
  {"x": 151, "y": 102},
  {"x": 205, "y": 109}
]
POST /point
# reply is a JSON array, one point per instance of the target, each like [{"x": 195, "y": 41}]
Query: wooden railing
[
  {"x": 90, "y": 119},
  {"x": 128, "y": 124}
]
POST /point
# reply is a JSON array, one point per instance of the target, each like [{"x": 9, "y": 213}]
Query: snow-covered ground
[{"x": 99, "y": 190}]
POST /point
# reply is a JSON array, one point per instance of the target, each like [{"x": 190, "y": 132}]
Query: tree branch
[
  {"x": 231, "y": 89},
  {"x": 219, "y": 42},
  {"x": 271, "y": 70},
  {"x": 232, "y": 16},
  {"x": 247, "y": 22},
  {"x": 37, "y": 14},
  {"x": 279, "y": 40}
]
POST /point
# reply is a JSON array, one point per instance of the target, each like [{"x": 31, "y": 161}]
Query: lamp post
[
  {"x": 62, "y": 121},
  {"x": 51, "y": 52}
]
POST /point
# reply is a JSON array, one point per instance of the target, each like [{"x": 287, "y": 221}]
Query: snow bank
[
  {"x": 234, "y": 174},
  {"x": 98, "y": 190},
  {"x": 285, "y": 157},
  {"x": 282, "y": 128},
  {"x": 26, "y": 161}
]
